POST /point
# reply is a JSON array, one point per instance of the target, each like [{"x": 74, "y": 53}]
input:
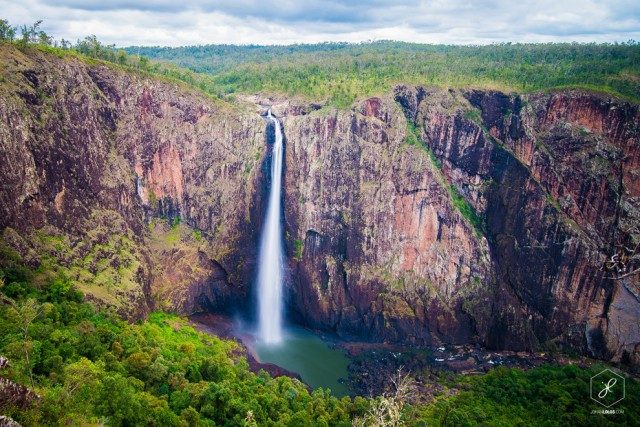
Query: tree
[
  {"x": 23, "y": 314},
  {"x": 28, "y": 312},
  {"x": 44, "y": 39},
  {"x": 386, "y": 410},
  {"x": 249, "y": 420},
  {"x": 7, "y": 32},
  {"x": 122, "y": 57},
  {"x": 32, "y": 34},
  {"x": 143, "y": 63}
]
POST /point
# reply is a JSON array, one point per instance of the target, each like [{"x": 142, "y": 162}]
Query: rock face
[
  {"x": 493, "y": 228},
  {"x": 384, "y": 253},
  {"x": 423, "y": 216},
  {"x": 90, "y": 155}
]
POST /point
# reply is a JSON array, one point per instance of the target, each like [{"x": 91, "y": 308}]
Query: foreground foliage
[
  {"x": 544, "y": 396},
  {"x": 89, "y": 366}
]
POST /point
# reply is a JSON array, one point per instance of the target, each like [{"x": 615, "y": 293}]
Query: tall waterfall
[{"x": 270, "y": 269}]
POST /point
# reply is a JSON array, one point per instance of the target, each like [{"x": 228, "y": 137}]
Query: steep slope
[
  {"x": 385, "y": 254},
  {"x": 494, "y": 228},
  {"x": 90, "y": 154}
]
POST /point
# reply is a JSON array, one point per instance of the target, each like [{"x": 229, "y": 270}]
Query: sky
[{"x": 192, "y": 22}]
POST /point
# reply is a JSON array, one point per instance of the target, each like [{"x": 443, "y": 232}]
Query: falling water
[{"x": 271, "y": 257}]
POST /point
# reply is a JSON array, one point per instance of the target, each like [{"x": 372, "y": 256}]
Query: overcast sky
[{"x": 185, "y": 22}]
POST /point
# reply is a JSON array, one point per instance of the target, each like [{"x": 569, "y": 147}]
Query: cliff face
[
  {"x": 90, "y": 155},
  {"x": 494, "y": 229},
  {"x": 424, "y": 216},
  {"x": 382, "y": 252}
]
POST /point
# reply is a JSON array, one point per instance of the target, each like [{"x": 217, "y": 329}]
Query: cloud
[{"x": 171, "y": 22}]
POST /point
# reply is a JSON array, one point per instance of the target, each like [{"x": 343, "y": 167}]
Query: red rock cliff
[
  {"x": 383, "y": 247},
  {"x": 423, "y": 216}
]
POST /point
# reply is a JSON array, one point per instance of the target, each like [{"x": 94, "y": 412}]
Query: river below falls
[
  {"x": 322, "y": 360},
  {"x": 318, "y": 361},
  {"x": 315, "y": 358}
]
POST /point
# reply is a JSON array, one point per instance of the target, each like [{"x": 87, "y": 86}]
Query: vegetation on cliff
[
  {"x": 91, "y": 49},
  {"x": 414, "y": 138}
]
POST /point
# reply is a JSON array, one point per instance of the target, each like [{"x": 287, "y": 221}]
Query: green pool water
[{"x": 308, "y": 355}]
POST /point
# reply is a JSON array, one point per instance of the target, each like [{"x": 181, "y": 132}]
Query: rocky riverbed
[{"x": 373, "y": 365}]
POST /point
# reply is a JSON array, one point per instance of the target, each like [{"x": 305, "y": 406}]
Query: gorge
[
  {"x": 226, "y": 259},
  {"x": 423, "y": 216}
]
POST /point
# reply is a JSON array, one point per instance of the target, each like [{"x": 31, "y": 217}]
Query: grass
[
  {"x": 467, "y": 211},
  {"x": 298, "y": 248},
  {"x": 474, "y": 115},
  {"x": 106, "y": 263}
]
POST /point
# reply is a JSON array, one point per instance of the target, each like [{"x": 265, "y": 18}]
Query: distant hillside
[{"x": 342, "y": 72}]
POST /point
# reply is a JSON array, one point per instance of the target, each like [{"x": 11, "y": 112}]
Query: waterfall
[{"x": 270, "y": 269}]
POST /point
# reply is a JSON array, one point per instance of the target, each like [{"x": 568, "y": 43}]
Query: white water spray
[{"x": 271, "y": 257}]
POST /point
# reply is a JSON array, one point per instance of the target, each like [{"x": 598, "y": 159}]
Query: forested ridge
[
  {"x": 339, "y": 73},
  {"x": 342, "y": 72}
]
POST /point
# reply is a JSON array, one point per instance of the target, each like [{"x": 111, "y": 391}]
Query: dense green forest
[
  {"x": 89, "y": 366},
  {"x": 71, "y": 363},
  {"x": 342, "y": 72},
  {"x": 339, "y": 73}
]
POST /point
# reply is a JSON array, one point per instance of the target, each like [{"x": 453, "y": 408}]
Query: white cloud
[{"x": 174, "y": 23}]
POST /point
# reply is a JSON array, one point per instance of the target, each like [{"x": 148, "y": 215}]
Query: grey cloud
[
  {"x": 277, "y": 11},
  {"x": 287, "y": 21}
]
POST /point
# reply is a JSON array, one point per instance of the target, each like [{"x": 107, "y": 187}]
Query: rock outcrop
[
  {"x": 383, "y": 252},
  {"x": 492, "y": 228}
]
